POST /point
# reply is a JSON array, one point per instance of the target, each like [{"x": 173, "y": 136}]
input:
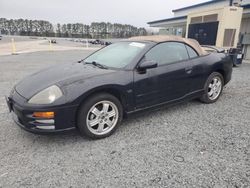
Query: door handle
[{"x": 189, "y": 70}]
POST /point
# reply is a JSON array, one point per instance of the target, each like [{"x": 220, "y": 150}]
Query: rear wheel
[
  {"x": 213, "y": 88},
  {"x": 99, "y": 116}
]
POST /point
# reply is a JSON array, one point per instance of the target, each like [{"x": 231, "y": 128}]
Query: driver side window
[{"x": 167, "y": 53}]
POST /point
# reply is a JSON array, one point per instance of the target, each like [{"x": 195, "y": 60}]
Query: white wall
[
  {"x": 201, "y": 8},
  {"x": 215, "y": 5}
]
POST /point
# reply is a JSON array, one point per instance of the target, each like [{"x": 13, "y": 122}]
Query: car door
[
  {"x": 169, "y": 81},
  {"x": 146, "y": 90},
  {"x": 199, "y": 70}
]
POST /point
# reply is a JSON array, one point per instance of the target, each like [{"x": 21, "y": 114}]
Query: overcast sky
[{"x": 134, "y": 12}]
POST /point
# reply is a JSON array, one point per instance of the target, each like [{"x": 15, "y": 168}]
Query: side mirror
[{"x": 147, "y": 65}]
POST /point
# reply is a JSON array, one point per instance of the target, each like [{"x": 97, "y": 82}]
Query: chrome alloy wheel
[
  {"x": 102, "y": 117},
  {"x": 214, "y": 88}
]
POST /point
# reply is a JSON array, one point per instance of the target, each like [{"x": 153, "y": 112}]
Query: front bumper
[{"x": 64, "y": 119}]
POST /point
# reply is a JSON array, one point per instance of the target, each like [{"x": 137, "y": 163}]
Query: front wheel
[
  {"x": 213, "y": 88},
  {"x": 99, "y": 116}
]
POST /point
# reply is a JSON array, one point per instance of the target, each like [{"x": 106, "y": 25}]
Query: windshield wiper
[{"x": 97, "y": 64}]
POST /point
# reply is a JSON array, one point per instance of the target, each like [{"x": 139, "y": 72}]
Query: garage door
[{"x": 204, "y": 33}]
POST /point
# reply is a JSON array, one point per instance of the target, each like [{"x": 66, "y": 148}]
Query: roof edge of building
[
  {"x": 246, "y": 6},
  {"x": 197, "y": 5},
  {"x": 168, "y": 19}
]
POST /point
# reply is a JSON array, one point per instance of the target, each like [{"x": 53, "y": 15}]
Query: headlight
[{"x": 46, "y": 96}]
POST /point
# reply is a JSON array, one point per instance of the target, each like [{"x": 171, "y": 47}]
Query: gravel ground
[{"x": 188, "y": 145}]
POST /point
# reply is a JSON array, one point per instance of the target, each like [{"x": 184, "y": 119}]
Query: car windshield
[{"x": 117, "y": 55}]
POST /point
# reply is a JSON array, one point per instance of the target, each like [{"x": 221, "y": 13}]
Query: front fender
[{"x": 120, "y": 84}]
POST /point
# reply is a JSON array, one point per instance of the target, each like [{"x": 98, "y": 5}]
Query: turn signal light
[{"x": 48, "y": 115}]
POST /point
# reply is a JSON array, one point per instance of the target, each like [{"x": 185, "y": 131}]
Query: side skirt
[{"x": 185, "y": 98}]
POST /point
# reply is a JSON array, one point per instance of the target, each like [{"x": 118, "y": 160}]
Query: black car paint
[{"x": 165, "y": 84}]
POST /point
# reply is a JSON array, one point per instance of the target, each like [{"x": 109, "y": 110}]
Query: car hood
[{"x": 60, "y": 75}]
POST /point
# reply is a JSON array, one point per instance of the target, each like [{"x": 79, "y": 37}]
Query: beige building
[
  {"x": 222, "y": 23},
  {"x": 225, "y": 21}
]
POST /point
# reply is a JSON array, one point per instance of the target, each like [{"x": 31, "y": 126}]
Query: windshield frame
[{"x": 132, "y": 64}]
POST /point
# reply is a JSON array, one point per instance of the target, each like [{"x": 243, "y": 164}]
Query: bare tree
[{"x": 45, "y": 28}]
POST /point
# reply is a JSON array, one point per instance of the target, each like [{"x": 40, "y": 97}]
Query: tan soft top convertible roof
[{"x": 164, "y": 38}]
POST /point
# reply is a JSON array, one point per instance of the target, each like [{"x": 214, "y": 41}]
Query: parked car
[
  {"x": 53, "y": 41},
  {"x": 97, "y": 41},
  {"x": 0, "y": 37},
  {"x": 94, "y": 94},
  {"x": 105, "y": 43},
  {"x": 101, "y": 42}
]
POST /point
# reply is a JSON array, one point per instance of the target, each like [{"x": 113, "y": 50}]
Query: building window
[
  {"x": 229, "y": 36},
  {"x": 195, "y": 20},
  {"x": 210, "y": 18}
]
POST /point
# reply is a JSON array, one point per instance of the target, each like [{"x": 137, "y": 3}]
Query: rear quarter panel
[{"x": 213, "y": 62}]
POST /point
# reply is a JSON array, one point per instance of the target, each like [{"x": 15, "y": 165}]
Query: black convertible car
[{"x": 94, "y": 94}]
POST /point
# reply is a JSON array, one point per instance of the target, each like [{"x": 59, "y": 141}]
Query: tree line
[{"x": 25, "y": 27}]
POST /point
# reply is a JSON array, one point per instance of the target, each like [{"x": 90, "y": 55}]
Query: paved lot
[
  {"x": 25, "y": 44},
  {"x": 188, "y": 145}
]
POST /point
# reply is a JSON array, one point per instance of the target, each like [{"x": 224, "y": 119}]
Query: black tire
[
  {"x": 205, "y": 97},
  {"x": 83, "y": 114}
]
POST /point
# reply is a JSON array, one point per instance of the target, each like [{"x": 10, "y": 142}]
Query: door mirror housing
[{"x": 147, "y": 65}]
